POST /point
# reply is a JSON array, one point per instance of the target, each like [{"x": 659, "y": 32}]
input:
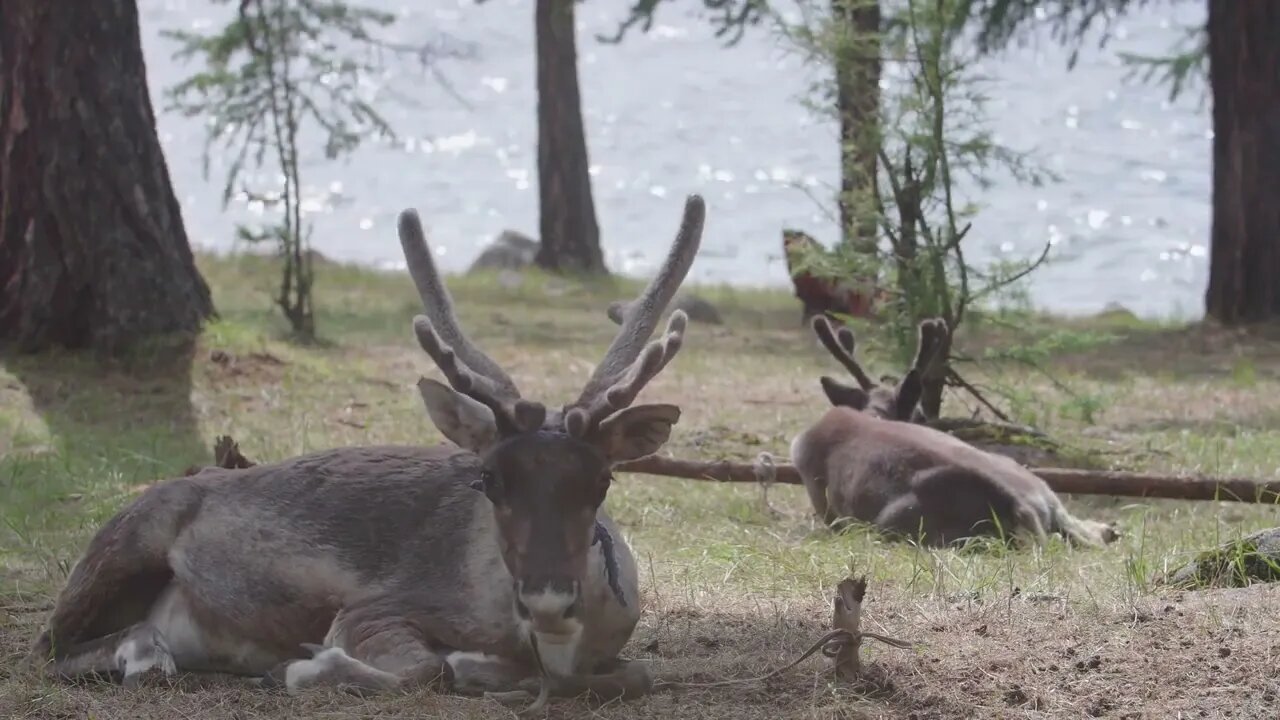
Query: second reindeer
[{"x": 871, "y": 459}]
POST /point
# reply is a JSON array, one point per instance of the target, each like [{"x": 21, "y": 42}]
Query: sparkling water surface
[{"x": 674, "y": 112}]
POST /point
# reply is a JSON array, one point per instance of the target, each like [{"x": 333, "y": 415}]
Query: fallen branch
[
  {"x": 1061, "y": 480},
  {"x": 970, "y": 429},
  {"x": 956, "y": 380}
]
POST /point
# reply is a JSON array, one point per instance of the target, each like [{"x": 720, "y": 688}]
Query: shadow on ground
[{"x": 76, "y": 435}]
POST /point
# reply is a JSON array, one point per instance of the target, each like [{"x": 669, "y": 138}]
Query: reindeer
[
  {"x": 871, "y": 458},
  {"x": 472, "y": 568}
]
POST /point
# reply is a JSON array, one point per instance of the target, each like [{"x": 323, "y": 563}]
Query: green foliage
[
  {"x": 1244, "y": 373},
  {"x": 1001, "y": 22},
  {"x": 278, "y": 69},
  {"x": 930, "y": 137},
  {"x": 933, "y": 137},
  {"x": 997, "y": 23},
  {"x": 1187, "y": 63},
  {"x": 731, "y": 18}
]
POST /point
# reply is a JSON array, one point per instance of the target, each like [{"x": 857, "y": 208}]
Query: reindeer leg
[
  {"x": 1083, "y": 532},
  {"x": 134, "y": 655},
  {"x": 394, "y": 657},
  {"x": 616, "y": 680},
  {"x": 613, "y": 680},
  {"x": 952, "y": 504}
]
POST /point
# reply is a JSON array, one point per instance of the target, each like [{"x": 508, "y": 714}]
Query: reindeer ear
[
  {"x": 635, "y": 432},
  {"x": 908, "y": 395},
  {"x": 467, "y": 423},
  {"x": 842, "y": 395}
]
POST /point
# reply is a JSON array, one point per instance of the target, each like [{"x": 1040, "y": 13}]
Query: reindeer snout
[{"x": 551, "y": 606}]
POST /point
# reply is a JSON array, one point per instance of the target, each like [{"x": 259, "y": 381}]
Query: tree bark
[
  {"x": 93, "y": 253},
  {"x": 857, "y": 71},
  {"x": 570, "y": 236},
  {"x": 1244, "y": 74}
]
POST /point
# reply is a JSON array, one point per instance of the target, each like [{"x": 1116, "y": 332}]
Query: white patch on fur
[
  {"x": 172, "y": 619},
  {"x": 136, "y": 656},
  {"x": 333, "y": 665},
  {"x": 462, "y": 662},
  {"x": 464, "y": 656},
  {"x": 304, "y": 673},
  {"x": 547, "y": 603},
  {"x": 1089, "y": 532},
  {"x": 559, "y": 653},
  {"x": 557, "y": 635},
  {"x": 193, "y": 648}
]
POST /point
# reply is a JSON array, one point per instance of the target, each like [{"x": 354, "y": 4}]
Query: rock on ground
[
  {"x": 698, "y": 309},
  {"x": 511, "y": 250},
  {"x": 1238, "y": 563}
]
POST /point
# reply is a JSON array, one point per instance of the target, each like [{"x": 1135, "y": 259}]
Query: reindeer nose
[{"x": 547, "y": 602}]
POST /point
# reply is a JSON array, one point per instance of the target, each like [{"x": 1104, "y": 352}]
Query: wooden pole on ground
[{"x": 1061, "y": 480}]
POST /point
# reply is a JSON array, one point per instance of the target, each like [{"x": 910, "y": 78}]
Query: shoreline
[{"x": 694, "y": 286}]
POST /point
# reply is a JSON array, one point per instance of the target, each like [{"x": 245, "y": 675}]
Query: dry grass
[{"x": 732, "y": 589}]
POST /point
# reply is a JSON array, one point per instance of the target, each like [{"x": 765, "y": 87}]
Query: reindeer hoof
[
  {"x": 275, "y": 678},
  {"x": 143, "y": 657}
]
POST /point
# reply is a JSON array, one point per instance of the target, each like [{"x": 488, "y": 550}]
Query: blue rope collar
[{"x": 605, "y": 541}]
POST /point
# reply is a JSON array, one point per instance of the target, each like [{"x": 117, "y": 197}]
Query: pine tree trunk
[
  {"x": 570, "y": 236},
  {"x": 858, "y": 103},
  {"x": 1244, "y": 73},
  {"x": 92, "y": 248}
]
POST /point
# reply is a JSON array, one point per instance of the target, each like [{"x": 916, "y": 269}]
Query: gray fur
[{"x": 870, "y": 459}]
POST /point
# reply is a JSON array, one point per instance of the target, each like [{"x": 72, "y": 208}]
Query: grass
[{"x": 732, "y": 587}]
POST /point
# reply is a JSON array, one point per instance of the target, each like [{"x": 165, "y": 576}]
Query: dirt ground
[{"x": 1206, "y": 654}]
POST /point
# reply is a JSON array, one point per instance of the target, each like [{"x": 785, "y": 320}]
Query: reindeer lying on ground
[
  {"x": 871, "y": 458},
  {"x": 477, "y": 569}
]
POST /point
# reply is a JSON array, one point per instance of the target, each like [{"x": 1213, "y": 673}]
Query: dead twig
[
  {"x": 956, "y": 380},
  {"x": 842, "y": 643},
  {"x": 766, "y": 471}
]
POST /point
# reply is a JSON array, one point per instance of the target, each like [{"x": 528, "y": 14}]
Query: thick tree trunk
[
  {"x": 857, "y": 74},
  {"x": 570, "y": 236},
  {"x": 1244, "y": 73},
  {"x": 92, "y": 248}
]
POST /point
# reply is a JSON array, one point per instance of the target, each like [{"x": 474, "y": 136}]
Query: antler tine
[
  {"x": 510, "y": 414},
  {"x": 640, "y": 317},
  {"x": 655, "y": 356},
  {"x": 930, "y": 335},
  {"x": 440, "y": 316},
  {"x": 845, "y": 336},
  {"x": 652, "y": 360},
  {"x": 842, "y": 351}
]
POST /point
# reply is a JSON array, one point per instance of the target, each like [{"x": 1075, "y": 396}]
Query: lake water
[{"x": 673, "y": 112}]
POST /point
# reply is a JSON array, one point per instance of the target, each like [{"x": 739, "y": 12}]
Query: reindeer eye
[{"x": 484, "y": 482}]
